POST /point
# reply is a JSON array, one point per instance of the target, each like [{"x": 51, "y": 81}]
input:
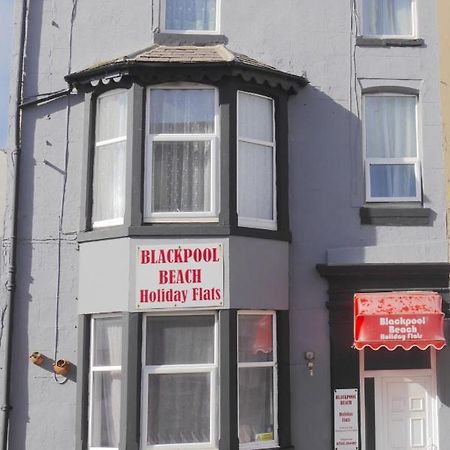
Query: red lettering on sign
[
  {"x": 189, "y": 276},
  {"x": 145, "y": 256}
]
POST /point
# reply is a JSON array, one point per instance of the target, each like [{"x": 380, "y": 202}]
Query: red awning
[{"x": 398, "y": 319}]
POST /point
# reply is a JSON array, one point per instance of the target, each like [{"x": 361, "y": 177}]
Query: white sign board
[
  {"x": 179, "y": 276},
  {"x": 346, "y": 419}
]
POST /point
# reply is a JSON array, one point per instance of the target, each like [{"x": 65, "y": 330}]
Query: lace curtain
[{"x": 181, "y": 168}]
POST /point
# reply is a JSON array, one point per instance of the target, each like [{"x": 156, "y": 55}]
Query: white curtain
[
  {"x": 182, "y": 397},
  {"x": 390, "y": 123},
  {"x": 255, "y": 180},
  {"x": 387, "y": 17},
  {"x": 108, "y": 200},
  {"x": 185, "y": 399},
  {"x": 106, "y": 384},
  {"x": 181, "y": 172},
  {"x": 256, "y": 409},
  {"x": 190, "y": 15},
  {"x": 255, "y": 160},
  {"x": 109, "y": 182}
]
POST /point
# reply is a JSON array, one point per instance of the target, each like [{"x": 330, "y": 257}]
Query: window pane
[
  {"x": 387, "y": 17},
  {"x": 255, "y": 117},
  {"x": 105, "y": 409},
  {"x": 390, "y": 126},
  {"x": 191, "y": 15},
  {"x": 395, "y": 180},
  {"x": 398, "y": 359},
  {"x": 181, "y": 176},
  {"x": 181, "y": 111},
  {"x": 256, "y": 407},
  {"x": 255, "y": 178},
  {"x": 107, "y": 342},
  {"x": 108, "y": 200},
  {"x": 179, "y": 408},
  {"x": 180, "y": 340},
  {"x": 111, "y": 116},
  {"x": 255, "y": 338}
]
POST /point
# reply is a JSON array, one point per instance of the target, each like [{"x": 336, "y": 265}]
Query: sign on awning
[{"x": 398, "y": 319}]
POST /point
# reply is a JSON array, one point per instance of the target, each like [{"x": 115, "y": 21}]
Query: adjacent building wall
[{"x": 444, "y": 54}]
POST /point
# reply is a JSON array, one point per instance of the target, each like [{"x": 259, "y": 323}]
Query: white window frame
[
  {"x": 212, "y": 369},
  {"x": 368, "y": 162},
  {"x": 168, "y": 30},
  {"x": 253, "y": 222},
  {"x": 115, "y": 220},
  {"x": 93, "y": 369},
  {"x": 213, "y": 138},
  {"x": 274, "y": 364},
  {"x": 391, "y": 36}
]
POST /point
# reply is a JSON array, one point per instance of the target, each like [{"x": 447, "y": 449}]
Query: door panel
[{"x": 404, "y": 413}]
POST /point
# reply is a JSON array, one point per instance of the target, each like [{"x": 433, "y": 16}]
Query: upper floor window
[
  {"x": 108, "y": 189},
  {"x": 256, "y": 202},
  {"x": 391, "y": 151},
  {"x": 388, "y": 18},
  {"x": 195, "y": 16},
  {"x": 181, "y": 153}
]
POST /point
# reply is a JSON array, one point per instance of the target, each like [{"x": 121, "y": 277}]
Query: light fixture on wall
[
  {"x": 61, "y": 367},
  {"x": 310, "y": 360},
  {"x": 37, "y": 358}
]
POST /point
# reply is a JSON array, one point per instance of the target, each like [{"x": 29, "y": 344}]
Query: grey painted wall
[{"x": 326, "y": 186}]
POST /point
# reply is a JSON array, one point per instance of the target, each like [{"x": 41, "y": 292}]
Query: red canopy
[{"x": 398, "y": 319}]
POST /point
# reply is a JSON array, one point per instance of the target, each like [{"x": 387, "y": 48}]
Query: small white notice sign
[
  {"x": 183, "y": 276},
  {"x": 346, "y": 419}
]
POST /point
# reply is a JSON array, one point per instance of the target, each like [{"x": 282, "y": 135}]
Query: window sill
[
  {"x": 395, "y": 215},
  {"x": 289, "y": 447},
  {"x": 363, "y": 41},
  {"x": 163, "y": 38},
  {"x": 179, "y": 230}
]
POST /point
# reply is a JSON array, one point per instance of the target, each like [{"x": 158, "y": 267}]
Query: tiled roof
[{"x": 203, "y": 55}]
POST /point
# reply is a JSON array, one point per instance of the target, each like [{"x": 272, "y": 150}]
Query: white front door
[{"x": 405, "y": 410}]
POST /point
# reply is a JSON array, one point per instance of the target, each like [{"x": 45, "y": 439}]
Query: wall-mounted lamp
[
  {"x": 37, "y": 358},
  {"x": 310, "y": 360},
  {"x": 61, "y": 367}
]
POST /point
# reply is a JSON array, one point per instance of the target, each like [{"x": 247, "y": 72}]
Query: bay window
[
  {"x": 181, "y": 154},
  {"x": 257, "y": 380},
  {"x": 105, "y": 382},
  {"x": 382, "y": 18},
  {"x": 184, "y": 16},
  {"x": 179, "y": 382},
  {"x": 391, "y": 150},
  {"x": 108, "y": 180},
  {"x": 256, "y": 186}
]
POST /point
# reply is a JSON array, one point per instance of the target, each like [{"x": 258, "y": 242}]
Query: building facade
[{"x": 205, "y": 190}]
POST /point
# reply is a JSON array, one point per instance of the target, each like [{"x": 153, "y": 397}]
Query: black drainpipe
[{"x": 5, "y": 406}]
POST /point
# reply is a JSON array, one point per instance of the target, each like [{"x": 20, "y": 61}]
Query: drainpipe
[{"x": 7, "y": 321}]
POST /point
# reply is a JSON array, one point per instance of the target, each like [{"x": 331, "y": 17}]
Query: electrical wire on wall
[
  {"x": 354, "y": 74},
  {"x": 63, "y": 198}
]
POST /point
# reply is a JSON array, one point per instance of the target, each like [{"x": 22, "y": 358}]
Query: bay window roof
[{"x": 211, "y": 62}]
